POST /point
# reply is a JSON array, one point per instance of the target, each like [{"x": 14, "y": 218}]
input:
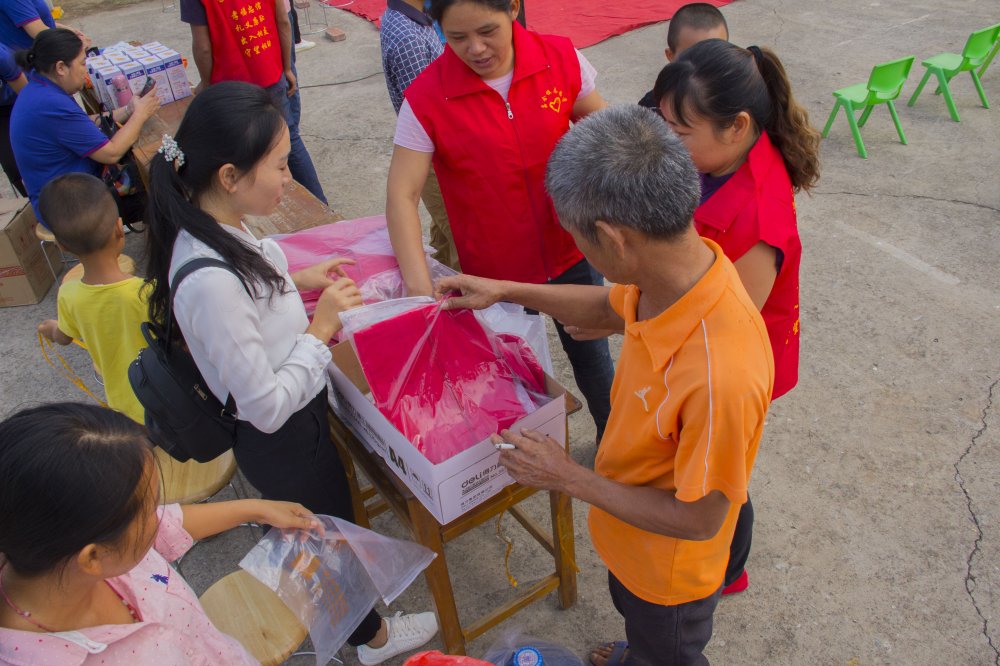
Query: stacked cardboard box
[
  {"x": 164, "y": 66},
  {"x": 25, "y": 277}
]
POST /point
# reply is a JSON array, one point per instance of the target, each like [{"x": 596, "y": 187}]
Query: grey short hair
[{"x": 623, "y": 165}]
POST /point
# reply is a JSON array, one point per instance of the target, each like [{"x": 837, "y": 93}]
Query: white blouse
[{"x": 255, "y": 349}]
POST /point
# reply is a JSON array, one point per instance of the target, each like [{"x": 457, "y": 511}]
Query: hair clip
[{"x": 172, "y": 152}]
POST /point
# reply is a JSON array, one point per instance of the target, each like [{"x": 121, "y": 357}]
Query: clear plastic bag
[
  {"x": 332, "y": 578},
  {"x": 514, "y": 648},
  {"x": 441, "y": 377}
]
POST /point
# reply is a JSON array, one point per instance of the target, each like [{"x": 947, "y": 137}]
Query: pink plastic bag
[
  {"x": 444, "y": 380},
  {"x": 364, "y": 240},
  {"x": 435, "y": 658}
]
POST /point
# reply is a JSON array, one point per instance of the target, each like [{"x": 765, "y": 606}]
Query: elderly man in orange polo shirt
[{"x": 690, "y": 393}]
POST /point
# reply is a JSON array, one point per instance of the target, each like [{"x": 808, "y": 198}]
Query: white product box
[
  {"x": 159, "y": 48},
  {"x": 116, "y": 58},
  {"x": 152, "y": 45},
  {"x": 455, "y": 486},
  {"x": 102, "y": 81},
  {"x": 136, "y": 75},
  {"x": 174, "y": 66},
  {"x": 155, "y": 68},
  {"x": 135, "y": 53}
]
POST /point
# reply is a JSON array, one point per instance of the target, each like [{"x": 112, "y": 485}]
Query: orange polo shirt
[{"x": 688, "y": 403}]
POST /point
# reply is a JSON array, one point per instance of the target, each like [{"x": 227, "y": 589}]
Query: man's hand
[
  {"x": 537, "y": 461},
  {"x": 317, "y": 276},
  {"x": 293, "y": 84},
  {"x": 476, "y": 293}
]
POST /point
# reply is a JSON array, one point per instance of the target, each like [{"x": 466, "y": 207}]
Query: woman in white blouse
[{"x": 229, "y": 160}]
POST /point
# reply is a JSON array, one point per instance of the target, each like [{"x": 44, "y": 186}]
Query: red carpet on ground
[{"x": 586, "y": 22}]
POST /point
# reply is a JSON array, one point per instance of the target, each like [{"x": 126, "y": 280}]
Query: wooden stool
[
  {"x": 125, "y": 263},
  {"x": 45, "y": 236},
  {"x": 427, "y": 531},
  {"x": 192, "y": 482},
  {"x": 241, "y": 606}
]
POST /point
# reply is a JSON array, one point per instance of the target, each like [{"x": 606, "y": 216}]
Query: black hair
[
  {"x": 696, "y": 15},
  {"x": 438, "y": 7},
  {"x": 50, "y": 47},
  {"x": 716, "y": 80},
  {"x": 79, "y": 209},
  {"x": 229, "y": 123},
  {"x": 70, "y": 475}
]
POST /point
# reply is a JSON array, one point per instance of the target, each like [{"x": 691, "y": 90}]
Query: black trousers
[
  {"x": 7, "y": 161},
  {"x": 664, "y": 635},
  {"x": 739, "y": 549},
  {"x": 299, "y": 463}
]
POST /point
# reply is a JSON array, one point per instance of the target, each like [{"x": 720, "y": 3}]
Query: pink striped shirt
[{"x": 173, "y": 631}]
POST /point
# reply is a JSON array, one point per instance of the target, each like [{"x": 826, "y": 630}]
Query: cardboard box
[
  {"x": 155, "y": 68},
  {"x": 455, "y": 486},
  {"x": 174, "y": 66},
  {"x": 25, "y": 277},
  {"x": 116, "y": 57},
  {"x": 103, "y": 83},
  {"x": 153, "y": 50},
  {"x": 136, "y": 75},
  {"x": 149, "y": 46}
]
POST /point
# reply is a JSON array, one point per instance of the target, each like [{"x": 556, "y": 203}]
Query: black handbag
[
  {"x": 123, "y": 180},
  {"x": 183, "y": 416}
]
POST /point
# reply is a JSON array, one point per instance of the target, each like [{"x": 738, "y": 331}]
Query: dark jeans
[
  {"x": 664, "y": 635},
  {"x": 739, "y": 549},
  {"x": 299, "y": 463},
  {"x": 299, "y": 161},
  {"x": 293, "y": 16},
  {"x": 591, "y": 360},
  {"x": 7, "y": 153}
]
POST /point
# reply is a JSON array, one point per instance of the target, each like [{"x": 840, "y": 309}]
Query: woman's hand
[
  {"x": 145, "y": 107},
  {"x": 586, "y": 334},
  {"x": 286, "y": 515},
  {"x": 318, "y": 275},
  {"x": 339, "y": 296},
  {"x": 476, "y": 293}
]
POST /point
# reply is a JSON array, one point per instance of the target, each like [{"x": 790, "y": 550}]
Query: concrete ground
[{"x": 878, "y": 528}]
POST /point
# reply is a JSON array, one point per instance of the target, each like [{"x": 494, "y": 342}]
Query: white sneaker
[
  {"x": 406, "y": 632},
  {"x": 304, "y": 45}
]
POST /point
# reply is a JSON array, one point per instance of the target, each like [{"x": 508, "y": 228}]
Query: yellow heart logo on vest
[{"x": 553, "y": 99}]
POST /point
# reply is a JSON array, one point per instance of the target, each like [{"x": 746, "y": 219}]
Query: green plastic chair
[
  {"x": 884, "y": 85},
  {"x": 945, "y": 66}
]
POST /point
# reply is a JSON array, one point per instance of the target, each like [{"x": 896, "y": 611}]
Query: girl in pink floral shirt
[{"x": 85, "y": 577}]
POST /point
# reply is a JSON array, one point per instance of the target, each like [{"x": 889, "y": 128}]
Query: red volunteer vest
[
  {"x": 245, "y": 42},
  {"x": 757, "y": 204},
  {"x": 491, "y": 162}
]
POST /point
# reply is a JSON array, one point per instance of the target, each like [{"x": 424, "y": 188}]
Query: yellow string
[
  {"x": 46, "y": 346},
  {"x": 510, "y": 548}
]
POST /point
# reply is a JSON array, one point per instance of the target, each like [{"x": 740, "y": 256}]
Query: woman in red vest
[
  {"x": 487, "y": 114},
  {"x": 754, "y": 148}
]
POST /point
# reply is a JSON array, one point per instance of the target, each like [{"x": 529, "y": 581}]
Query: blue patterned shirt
[{"x": 409, "y": 45}]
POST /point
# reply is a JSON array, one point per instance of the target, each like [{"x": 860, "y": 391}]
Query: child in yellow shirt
[{"x": 105, "y": 309}]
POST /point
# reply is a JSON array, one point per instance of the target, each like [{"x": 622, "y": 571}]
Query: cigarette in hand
[{"x": 504, "y": 446}]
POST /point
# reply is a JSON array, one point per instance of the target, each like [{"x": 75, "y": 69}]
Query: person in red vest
[
  {"x": 487, "y": 114},
  {"x": 754, "y": 148},
  {"x": 251, "y": 41}
]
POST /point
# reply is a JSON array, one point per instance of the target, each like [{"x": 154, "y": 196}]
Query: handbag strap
[{"x": 185, "y": 270}]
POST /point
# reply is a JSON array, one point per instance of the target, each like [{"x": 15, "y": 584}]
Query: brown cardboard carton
[{"x": 25, "y": 277}]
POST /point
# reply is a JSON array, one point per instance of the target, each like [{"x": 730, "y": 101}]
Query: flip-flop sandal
[{"x": 617, "y": 657}]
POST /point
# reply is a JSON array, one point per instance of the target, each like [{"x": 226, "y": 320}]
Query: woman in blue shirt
[
  {"x": 12, "y": 80},
  {"x": 50, "y": 133}
]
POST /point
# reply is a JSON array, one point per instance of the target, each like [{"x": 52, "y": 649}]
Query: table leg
[
  {"x": 565, "y": 546},
  {"x": 428, "y": 533}
]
